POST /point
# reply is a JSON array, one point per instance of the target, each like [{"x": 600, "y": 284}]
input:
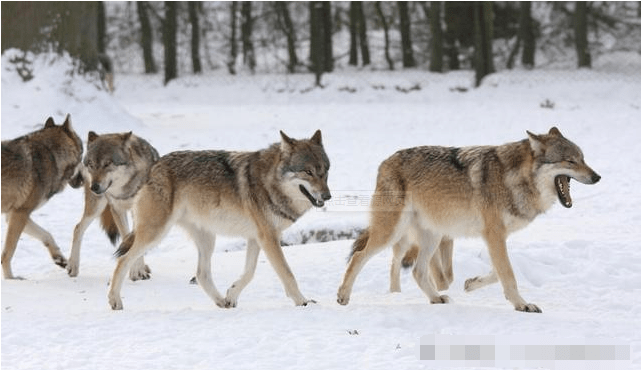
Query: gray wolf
[
  {"x": 35, "y": 167},
  {"x": 115, "y": 167},
  {"x": 480, "y": 191},
  {"x": 255, "y": 195},
  {"x": 106, "y": 72}
]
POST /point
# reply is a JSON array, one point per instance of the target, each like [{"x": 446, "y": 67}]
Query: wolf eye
[
  {"x": 309, "y": 172},
  {"x": 107, "y": 164},
  {"x": 571, "y": 161}
]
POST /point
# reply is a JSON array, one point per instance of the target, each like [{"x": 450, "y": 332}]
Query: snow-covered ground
[{"x": 582, "y": 265}]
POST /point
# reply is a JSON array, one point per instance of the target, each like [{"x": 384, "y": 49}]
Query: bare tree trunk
[
  {"x": 232, "y": 61},
  {"x": 100, "y": 25},
  {"x": 193, "y": 8},
  {"x": 405, "y": 30},
  {"x": 169, "y": 41},
  {"x": 317, "y": 40},
  {"x": 327, "y": 22},
  {"x": 436, "y": 36},
  {"x": 527, "y": 35},
  {"x": 580, "y": 33},
  {"x": 483, "y": 25},
  {"x": 363, "y": 40},
  {"x": 286, "y": 23},
  {"x": 146, "y": 37},
  {"x": 352, "y": 59},
  {"x": 450, "y": 11},
  {"x": 246, "y": 35},
  {"x": 387, "y": 55}
]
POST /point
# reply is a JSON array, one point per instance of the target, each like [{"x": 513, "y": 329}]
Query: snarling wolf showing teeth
[{"x": 481, "y": 191}]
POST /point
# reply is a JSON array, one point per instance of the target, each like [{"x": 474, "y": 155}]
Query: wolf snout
[
  {"x": 595, "y": 178},
  {"x": 326, "y": 196},
  {"x": 96, "y": 188}
]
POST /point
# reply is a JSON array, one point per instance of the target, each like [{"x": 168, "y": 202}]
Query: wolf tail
[
  {"x": 126, "y": 245},
  {"x": 360, "y": 243},
  {"x": 108, "y": 224},
  {"x": 410, "y": 257}
]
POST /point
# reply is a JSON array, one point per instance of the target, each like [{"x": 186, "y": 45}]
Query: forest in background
[{"x": 178, "y": 38}]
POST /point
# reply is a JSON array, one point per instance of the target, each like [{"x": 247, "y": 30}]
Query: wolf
[
  {"x": 255, "y": 195},
  {"x": 106, "y": 72},
  {"x": 35, "y": 167},
  {"x": 425, "y": 194},
  {"x": 114, "y": 169}
]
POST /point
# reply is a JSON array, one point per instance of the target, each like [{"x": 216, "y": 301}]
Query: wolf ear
[
  {"x": 536, "y": 142},
  {"x": 317, "y": 138},
  {"x": 126, "y": 136},
  {"x": 49, "y": 122},
  {"x": 286, "y": 142},
  {"x": 91, "y": 137},
  {"x": 554, "y": 131},
  {"x": 67, "y": 123}
]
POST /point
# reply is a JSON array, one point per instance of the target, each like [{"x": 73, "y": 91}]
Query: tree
[
  {"x": 232, "y": 60},
  {"x": 436, "y": 36},
  {"x": 246, "y": 35},
  {"x": 327, "y": 24},
  {"x": 483, "y": 35},
  {"x": 580, "y": 35},
  {"x": 405, "y": 30},
  {"x": 169, "y": 41},
  {"x": 385, "y": 24},
  {"x": 527, "y": 35},
  {"x": 285, "y": 23},
  {"x": 100, "y": 25},
  {"x": 146, "y": 36},
  {"x": 358, "y": 34},
  {"x": 193, "y": 8}
]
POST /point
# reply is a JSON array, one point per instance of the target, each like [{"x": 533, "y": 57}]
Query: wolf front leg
[
  {"x": 94, "y": 205},
  {"x": 252, "y": 255},
  {"x": 269, "y": 242},
  {"x": 16, "y": 221},
  {"x": 495, "y": 236}
]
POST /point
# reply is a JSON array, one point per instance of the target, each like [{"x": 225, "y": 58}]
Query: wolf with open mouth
[
  {"x": 478, "y": 191},
  {"x": 255, "y": 195}
]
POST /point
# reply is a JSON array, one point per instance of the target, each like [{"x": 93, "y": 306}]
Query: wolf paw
[
  {"x": 528, "y": 307},
  {"x": 342, "y": 300},
  {"x": 60, "y": 261},
  {"x": 115, "y": 303},
  {"x": 141, "y": 274},
  {"x": 472, "y": 284},
  {"x": 72, "y": 268},
  {"x": 440, "y": 299},
  {"x": 306, "y": 302}
]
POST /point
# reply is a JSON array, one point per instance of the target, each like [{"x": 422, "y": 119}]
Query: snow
[{"x": 582, "y": 265}]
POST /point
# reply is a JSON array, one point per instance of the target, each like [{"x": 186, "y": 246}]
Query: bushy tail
[
  {"x": 360, "y": 243},
  {"x": 125, "y": 245},
  {"x": 410, "y": 257},
  {"x": 108, "y": 224}
]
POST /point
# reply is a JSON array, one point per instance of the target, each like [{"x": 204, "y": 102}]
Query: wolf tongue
[{"x": 562, "y": 187}]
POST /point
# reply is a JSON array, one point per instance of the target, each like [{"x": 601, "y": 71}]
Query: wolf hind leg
[
  {"x": 93, "y": 207},
  {"x": 442, "y": 264},
  {"x": 33, "y": 229},
  {"x": 204, "y": 241},
  {"x": 386, "y": 227},
  {"x": 429, "y": 243},
  {"x": 252, "y": 255},
  {"x": 16, "y": 221},
  {"x": 480, "y": 281},
  {"x": 139, "y": 270},
  {"x": 399, "y": 252}
]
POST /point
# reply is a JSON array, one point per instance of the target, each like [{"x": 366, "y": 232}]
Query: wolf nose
[
  {"x": 326, "y": 196},
  {"x": 595, "y": 178},
  {"x": 95, "y": 188}
]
